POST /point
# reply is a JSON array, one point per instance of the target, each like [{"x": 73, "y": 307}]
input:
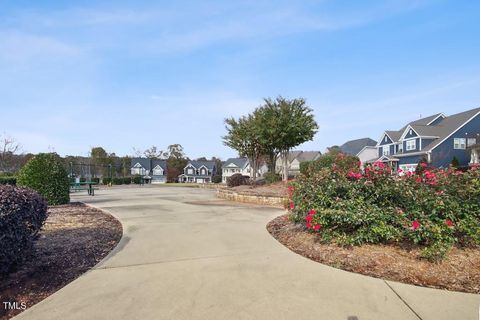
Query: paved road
[{"x": 187, "y": 255}]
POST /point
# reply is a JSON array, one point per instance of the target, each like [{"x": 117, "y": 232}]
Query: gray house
[
  {"x": 437, "y": 139},
  {"x": 353, "y": 147},
  {"x": 198, "y": 172},
  {"x": 152, "y": 170}
]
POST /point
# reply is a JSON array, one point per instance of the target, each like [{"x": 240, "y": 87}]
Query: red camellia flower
[
  {"x": 449, "y": 223},
  {"x": 309, "y": 218},
  {"x": 311, "y": 212},
  {"x": 423, "y": 165},
  {"x": 415, "y": 225},
  {"x": 317, "y": 227},
  {"x": 308, "y": 225},
  {"x": 418, "y": 180},
  {"x": 291, "y": 191},
  {"x": 292, "y": 205},
  {"x": 409, "y": 173},
  {"x": 379, "y": 164},
  {"x": 368, "y": 169},
  {"x": 358, "y": 163}
]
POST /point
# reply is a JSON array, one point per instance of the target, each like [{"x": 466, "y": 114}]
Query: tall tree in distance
[
  {"x": 286, "y": 124},
  {"x": 8, "y": 148},
  {"x": 243, "y": 136},
  {"x": 176, "y": 161}
]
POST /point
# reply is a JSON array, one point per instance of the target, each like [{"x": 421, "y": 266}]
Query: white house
[{"x": 294, "y": 159}]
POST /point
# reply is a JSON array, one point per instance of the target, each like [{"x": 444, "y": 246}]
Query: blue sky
[{"x": 118, "y": 74}]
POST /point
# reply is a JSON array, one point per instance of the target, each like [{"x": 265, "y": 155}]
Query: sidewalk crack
[{"x": 405, "y": 302}]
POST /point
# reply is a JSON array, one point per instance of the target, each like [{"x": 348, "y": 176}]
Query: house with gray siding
[
  {"x": 152, "y": 170},
  {"x": 198, "y": 172},
  {"x": 437, "y": 139}
]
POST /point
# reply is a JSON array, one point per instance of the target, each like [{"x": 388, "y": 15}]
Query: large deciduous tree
[
  {"x": 285, "y": 125},
  {"x": 8, "y": 148},
  {"x": 243, "y": 136}
]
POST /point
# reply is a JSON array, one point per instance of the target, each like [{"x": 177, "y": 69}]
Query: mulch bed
[
  {"x": 278, "y": 189},
  {"x": 402, "y": 263},
  {"x": 75, "y": 238}
]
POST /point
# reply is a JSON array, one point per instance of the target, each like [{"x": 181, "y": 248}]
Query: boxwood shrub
[
  {"x": 22, "y": 214},
  {"x": 435, "y": 209},
  {"x": 45, "y": 174},
  {"x": 127, "y": 180},
  {"x": 8, "y": 180},
  {"x": 237, "y": 180}
]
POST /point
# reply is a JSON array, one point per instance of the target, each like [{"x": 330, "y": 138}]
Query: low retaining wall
[{"x": 274, "y": 201}]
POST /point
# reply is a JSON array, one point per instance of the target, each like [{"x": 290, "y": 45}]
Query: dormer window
[
  {"x": 410, "y": 132},
  {"x": 386, "y": 139}
]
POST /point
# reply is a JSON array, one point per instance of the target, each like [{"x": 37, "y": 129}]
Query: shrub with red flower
[{"x": 435, "y": 209}]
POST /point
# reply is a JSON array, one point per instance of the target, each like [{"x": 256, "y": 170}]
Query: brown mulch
[
  {"x": 402, "y": 263},
  {"x": 278, "y": 189},
  {"x": 75, "y": 238}
]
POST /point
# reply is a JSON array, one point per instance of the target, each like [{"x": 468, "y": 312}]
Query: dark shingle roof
[
  {"x": 308, "y": 155},
  {"x": 353, "y": 147},
  {"x": 239, "y": 162},
  {"x": 197, "y": 164},
  {"x": 450, "y": 124}
]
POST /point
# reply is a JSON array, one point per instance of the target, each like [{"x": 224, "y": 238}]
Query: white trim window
[
  {"x": 386, "y": 151},
  {"x": 400, "y": 148},
  {"x": 190, "y": 171},
  {"x": 471, "y": 142},
  {"x": 459, "y": 143},
  {"x": 411, "y": 144}
]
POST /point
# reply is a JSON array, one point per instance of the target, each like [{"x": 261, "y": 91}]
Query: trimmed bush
[
  {"x": 272, "y": 177},
  {"x": 106, "y": 181},
  {"x": 237, "y": 180},
  {"x": 8, "y": 180},
  {"x": 117, "y": 180},
  {"x": 137, "y": 180},
  {"x": 45, "y": 174},
  {"x": 435, "y": 209},
  {"x": 22, "y": 214},
  {"x": 217, "y": 178},
  {"x": 127, "y": 180}
]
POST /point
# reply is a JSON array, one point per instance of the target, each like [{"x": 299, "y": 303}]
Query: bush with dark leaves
[
  {"x": 237, "y": 180},
  {"x": 22, "y": 214}
]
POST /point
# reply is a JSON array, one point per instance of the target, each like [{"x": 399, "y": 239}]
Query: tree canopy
[{"x": 272, "y": 129}]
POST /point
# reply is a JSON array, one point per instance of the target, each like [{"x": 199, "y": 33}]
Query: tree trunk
[{"x": 285, "y": 166}]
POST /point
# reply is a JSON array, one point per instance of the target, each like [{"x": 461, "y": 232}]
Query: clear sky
[{"x": 118, "y": 74}]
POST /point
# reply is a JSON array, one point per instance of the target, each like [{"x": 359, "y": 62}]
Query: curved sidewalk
[{"x": 187, "y": 255}]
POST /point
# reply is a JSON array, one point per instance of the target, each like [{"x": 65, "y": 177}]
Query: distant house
[
  {"x": 152, "y": 170},
  {"x": 238, "y": 165},
  {"x": 235, "y": 165},
  {"x": 294, "y": 159},
  {"x": 198, "y": 172},
  {"x": 475, "y": 151},
  {"x": 365, "y": 149},
  {"x": 437, "y": 139}
]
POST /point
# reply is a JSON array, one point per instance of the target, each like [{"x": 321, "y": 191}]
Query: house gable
[
  {"x": 385, "y": 140},
  {"x": 158, "y": 171},
  {"x": 408, "y": 133}
]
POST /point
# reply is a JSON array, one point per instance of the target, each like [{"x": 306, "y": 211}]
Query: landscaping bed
[
  {"x": 458, "y": 272},
  {"x": 74, "y": 238},
  {"x": 278, "y": 189}
]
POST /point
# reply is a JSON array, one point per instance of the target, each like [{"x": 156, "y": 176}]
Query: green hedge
[
  {"x": 8, "y": 180},
  {"x": 22, "y": 214},
  {"x": 46, "y": 174}
]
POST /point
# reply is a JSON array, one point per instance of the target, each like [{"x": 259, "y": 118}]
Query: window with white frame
[
  {"x": 158, "y": 171},
  {"x": 400, "y": 148},
  {"x": 411, "y": 144},
  {"x": 459, "y": 143},
  {"x": 471, "y": 141},
  {"x": 190, "y": 171},
  {"x": 386, "y": 151}
]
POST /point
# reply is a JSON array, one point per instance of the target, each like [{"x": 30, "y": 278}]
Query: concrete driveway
[{"x": 187, "y": 255}]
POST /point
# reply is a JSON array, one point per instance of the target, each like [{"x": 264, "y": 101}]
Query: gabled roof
[
  {"x": 353, "y": 147},
  {"x": 161, "y": 163},
  {"x": 144, "y": 162},
  {"x": 238, "y": 162},
  {"x": 197, "y": 164},
  {"x": 426, "y": 121},
  {"x": 292, "y": 155},
  {"x": 450, "y": 125},
  {"x": 394, "y": 135},
  {"x": 308, "y": 156}
]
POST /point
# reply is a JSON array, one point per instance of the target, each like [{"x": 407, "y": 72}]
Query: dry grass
[
  {"x": 402, "y": 263},
  {"x": 278, "y": 189}
]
